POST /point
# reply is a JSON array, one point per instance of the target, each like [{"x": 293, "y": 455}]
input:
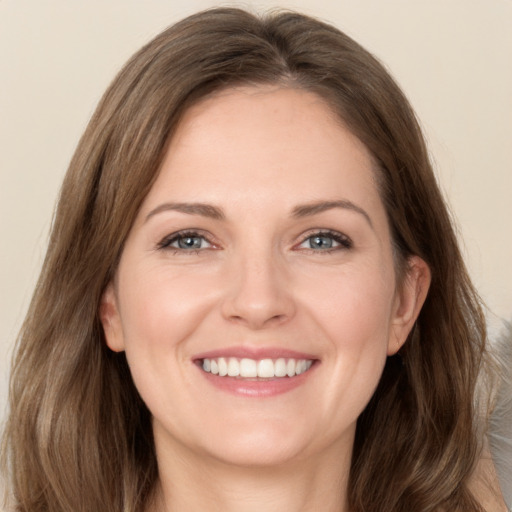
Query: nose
[{"x": 259, "y": 293}]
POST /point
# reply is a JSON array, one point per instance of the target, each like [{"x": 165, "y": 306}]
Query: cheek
[
  {"x": 353, "y": 312},
  {"x": 162, "y": 307},
  {"x": 353, "y": 306},
  {"x": 161, "y": 310}
]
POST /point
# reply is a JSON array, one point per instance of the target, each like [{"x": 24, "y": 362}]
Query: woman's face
[{"x": 263, "y": 249}]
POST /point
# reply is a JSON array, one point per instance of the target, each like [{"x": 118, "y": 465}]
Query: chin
[
  {"x": 259, "y": 450},
  {"x": 263, "y": 444}
]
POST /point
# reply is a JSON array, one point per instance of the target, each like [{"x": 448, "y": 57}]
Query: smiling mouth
[{"x": 246, "y": 368}]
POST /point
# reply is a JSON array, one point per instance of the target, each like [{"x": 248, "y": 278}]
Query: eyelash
[
  {"x": 166, "y": 243},
  {"x": 344, "y": 242}
]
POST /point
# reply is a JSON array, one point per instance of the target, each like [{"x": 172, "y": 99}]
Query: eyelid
[
  {"x": 344, "y": 242},
  {"x": 165, "y": 243}
]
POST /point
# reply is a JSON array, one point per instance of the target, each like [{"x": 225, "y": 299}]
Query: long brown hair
[{"x": 79, "y": 437}]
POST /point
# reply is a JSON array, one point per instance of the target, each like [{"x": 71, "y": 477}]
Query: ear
[
  {"x": 408, "y": 302},
  {"x": 111, "y": 320}
]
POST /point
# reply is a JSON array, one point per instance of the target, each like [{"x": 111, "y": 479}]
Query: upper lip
[{"x": 256, "y": 353}]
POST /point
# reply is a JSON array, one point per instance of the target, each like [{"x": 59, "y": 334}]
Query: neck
[{"x": 196, "y": 483}]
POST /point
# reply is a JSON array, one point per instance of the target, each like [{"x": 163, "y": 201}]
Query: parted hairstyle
[{"x": 79, "y": 437}]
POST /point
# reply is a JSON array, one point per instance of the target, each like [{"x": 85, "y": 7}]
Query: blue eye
[
  {"x": 326, "y": 242},
  {"x": 189, "y": 242},
  {"x": 320, "y": 242},
  {"x": 185, "y": 242}
]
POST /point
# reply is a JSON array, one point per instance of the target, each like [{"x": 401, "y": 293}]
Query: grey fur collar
[{"x": 500, "y": 426}]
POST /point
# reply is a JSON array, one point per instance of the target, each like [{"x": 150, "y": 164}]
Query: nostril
[
  {"x": 256, "y": 321},
  {"x": 258, "y": 300}
]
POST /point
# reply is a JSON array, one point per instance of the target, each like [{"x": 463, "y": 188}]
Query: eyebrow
[
  {"x": 322, "y": 206},
  {"x": 203, "y": 209},
  {"x": 300, "y": 211}
]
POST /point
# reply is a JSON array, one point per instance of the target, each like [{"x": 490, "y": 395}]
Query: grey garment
[{"x": 500, "y": 427}]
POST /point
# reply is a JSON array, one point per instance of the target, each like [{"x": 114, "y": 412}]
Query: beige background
[{"x": 453, "y": 58}]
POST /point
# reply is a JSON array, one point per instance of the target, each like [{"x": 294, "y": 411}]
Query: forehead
[{"x": 267, "y": 144}]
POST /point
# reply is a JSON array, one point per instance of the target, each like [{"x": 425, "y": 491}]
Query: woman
[{"x": 253, "y": 296}]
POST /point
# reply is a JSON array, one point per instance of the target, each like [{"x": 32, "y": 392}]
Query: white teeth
[
  {"x": 223, "y": 367},
  {"x": 248, "y": 368},
  {"x": 266, "y": 368},
  {"x": 290, "y": 367},
  {"x": 251, "y": 368},
  {"x": 233, "y": 367},
  {"x": 280, "y": 368}
]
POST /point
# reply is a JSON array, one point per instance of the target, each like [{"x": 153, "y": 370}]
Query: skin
[{"x": 256, "y": 154}]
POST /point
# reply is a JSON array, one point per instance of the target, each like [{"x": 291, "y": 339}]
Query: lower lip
[{"x": 258, "y": 388}]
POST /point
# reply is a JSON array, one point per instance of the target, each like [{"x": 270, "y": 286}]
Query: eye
[
  {"x": 185, "y": 241},
  {"x": 326, "y": 241}
]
